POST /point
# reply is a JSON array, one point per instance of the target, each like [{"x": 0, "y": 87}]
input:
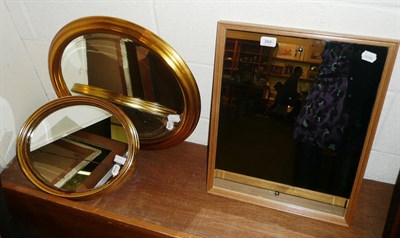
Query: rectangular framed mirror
[{"x": 293, "y": 117}]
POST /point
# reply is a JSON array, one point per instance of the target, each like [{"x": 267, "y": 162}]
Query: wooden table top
[{"x": 168, "y": 193}]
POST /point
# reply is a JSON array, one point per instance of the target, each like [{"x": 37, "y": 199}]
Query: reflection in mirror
[
  {"x": 126, "y": 73},
  {"x": 128, "y": 65},
  {"x": 294, "y": 117},
  {"x": 78, "y": 149},
  {"x": 80, "y": 160}
]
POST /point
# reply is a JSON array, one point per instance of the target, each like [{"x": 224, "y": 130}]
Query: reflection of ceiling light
[{"x": 86, "y": 173}]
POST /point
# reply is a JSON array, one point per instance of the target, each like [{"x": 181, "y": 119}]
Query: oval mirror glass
[
  {"x": 78, "y": 147},
  {"x": 129, "y": 66}
]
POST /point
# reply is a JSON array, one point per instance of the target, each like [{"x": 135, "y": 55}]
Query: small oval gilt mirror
[
  {"x": 78, "y": 147},
  {"x": 131, "y": 67}
]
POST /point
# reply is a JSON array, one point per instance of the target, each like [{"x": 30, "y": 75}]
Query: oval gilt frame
[
  {"x": 24, "y": 142},
  {"x": 136, "y": 33}
]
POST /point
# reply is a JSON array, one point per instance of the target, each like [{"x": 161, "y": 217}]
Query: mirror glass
[
  {"x": 104, "y": 63},
  {"x": 78, "y": 149},
  {"x": 128, "y": 65},
  {"x": 294, "y": 116},
  {"x": 79, "y": 159}
]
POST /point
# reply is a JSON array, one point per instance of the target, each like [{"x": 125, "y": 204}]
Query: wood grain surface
[{"x": 166, "y": 196}]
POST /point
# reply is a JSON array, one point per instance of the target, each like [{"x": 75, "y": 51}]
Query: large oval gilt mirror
[
  {"x": 294, "y": 114},
  {"x": 131, "y": 67},
  {"x": 78, "y": 147}
]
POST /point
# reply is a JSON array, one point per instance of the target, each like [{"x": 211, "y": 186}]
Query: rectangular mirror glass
[{"x": 293, "y": 117}]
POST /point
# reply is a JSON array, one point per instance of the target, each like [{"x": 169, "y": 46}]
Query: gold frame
[
  {"x": 248, "y": 189},
  {"x": 136, "y": 33},
  {"x": 24, "y": 141},
  {"x": 137, "y": 103}
]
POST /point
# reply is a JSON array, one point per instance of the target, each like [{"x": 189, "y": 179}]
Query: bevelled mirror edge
[
  {"x": 27, "y": 129},
  {"x": 222, "y": 28},
  {"x": 136, "y": 33},
  {"x": 137, "y": 103}
]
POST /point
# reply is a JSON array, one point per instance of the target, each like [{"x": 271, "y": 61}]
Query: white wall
[
  {"x": 21, "y": 91},
  {"x": 190, "y": 27}
]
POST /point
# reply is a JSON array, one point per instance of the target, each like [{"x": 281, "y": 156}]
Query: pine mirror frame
[
  {"x": 27, "y": 129},
  {"x": 136, "y": 33},
  {"x": 222, "y": 28}
]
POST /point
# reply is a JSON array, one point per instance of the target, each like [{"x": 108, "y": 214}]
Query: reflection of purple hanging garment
[{"x": 321, "y": 121}]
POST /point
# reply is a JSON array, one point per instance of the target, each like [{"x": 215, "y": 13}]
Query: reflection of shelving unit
[
  {"x": 243, "y": 58},
  {"x": 231, "y": 48},
  {"x": 244, "y": 55},
  {"x": 281, "y": 69},
  {"x": 288, "y": 55},
  {"x": 247, "y": 54}
]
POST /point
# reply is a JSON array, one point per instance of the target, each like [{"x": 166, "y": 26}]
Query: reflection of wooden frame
[
  {"x": 249, "y": 188},
  {"x": 115, "y": 147},
  {"x": 58, "y": 161}
]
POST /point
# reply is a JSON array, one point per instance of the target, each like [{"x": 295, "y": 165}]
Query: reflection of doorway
[
  {"x": 104, "y": 62},
  {"x": 151, "y": 78}
]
